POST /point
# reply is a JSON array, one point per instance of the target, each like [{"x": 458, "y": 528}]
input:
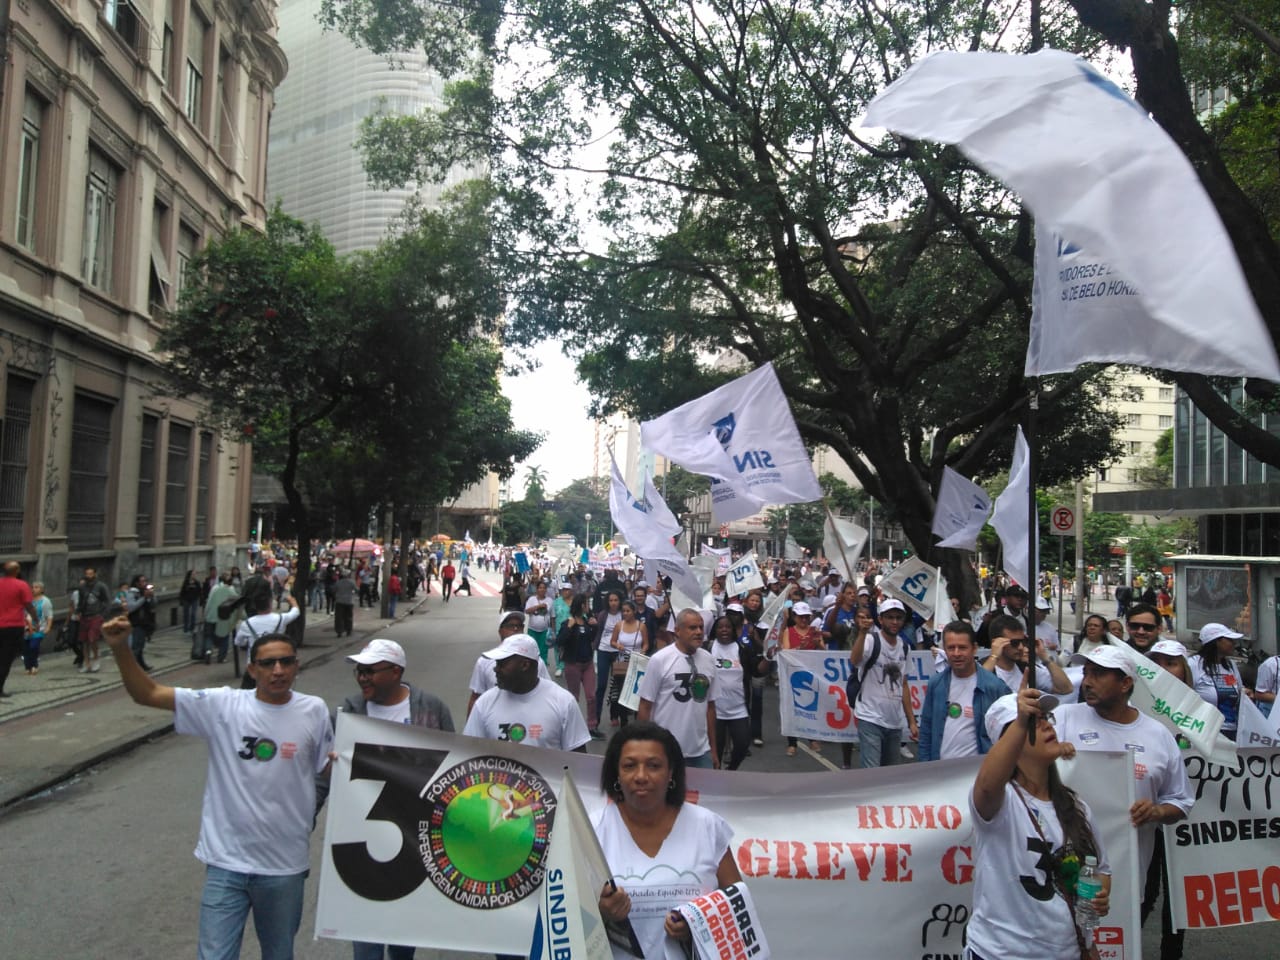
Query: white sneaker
[
  {"x": 97, "y": 665},
  {"x": 83, "y": 668}
]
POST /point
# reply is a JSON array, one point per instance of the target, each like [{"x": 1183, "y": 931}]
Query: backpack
[{"x": 853, "y": 687}]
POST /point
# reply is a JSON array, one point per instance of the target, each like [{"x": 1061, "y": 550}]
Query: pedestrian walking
[{"x": 16, "y": 605}]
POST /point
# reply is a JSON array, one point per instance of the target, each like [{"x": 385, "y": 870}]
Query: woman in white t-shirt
[
  {"x": 629, "y": 636},
  {"x": 1033, "y": 835},
  {"x": 663, "y": 852},
  {"x": 736, "y": 664},
  {"x": 1215, "y": 675}
]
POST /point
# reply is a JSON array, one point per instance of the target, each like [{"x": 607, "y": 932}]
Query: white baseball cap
[
  {"x": 735, "y": 607},
  {"x": 829, "y": 601},
  {"x": 1107, "y": 656},
  {"x": 379, "y": 651},
  {"x": 1005, "y": 710},
  {"x": 891, "y": 603},
  {"x": 1168, "y": 648},
  {"x": 508, "y": 614},
  {"x": 516, "y": 645},
  {"x": 1216, "y": 631},
  {"x": 1043, "y": 604},
  {"x": 802, "y": 609}
]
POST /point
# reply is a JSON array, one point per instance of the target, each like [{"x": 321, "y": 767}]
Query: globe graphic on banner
[{"x": 486, "y": 833}]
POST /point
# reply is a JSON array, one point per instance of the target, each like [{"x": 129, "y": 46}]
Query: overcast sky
[{"x": 552, "y": 402}]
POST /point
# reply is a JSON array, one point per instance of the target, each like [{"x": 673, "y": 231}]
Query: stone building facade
[{"x": 131, "y": 131}]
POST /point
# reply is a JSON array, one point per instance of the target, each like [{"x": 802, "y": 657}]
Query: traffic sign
[{"x": 1062, "y": 520}]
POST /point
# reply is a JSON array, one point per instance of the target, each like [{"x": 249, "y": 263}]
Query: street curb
[{"x": 160, "y": 729}]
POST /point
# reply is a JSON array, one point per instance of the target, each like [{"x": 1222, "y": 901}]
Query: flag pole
[{"x": 1033, "y": 539}]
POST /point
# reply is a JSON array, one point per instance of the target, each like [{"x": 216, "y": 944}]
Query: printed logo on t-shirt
[
  {"x": 955, "y": 711},
  {"x": 723, "y": 664},
  {"x": 692, "y": 685},
  {"x": 518, "y": 732},
  {"x": 261, "y": 748}
]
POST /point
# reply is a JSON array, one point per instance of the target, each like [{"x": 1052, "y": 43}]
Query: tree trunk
[{"x": 302, "y": 517}]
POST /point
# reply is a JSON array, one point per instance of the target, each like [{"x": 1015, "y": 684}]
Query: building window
[
  {"x": 178, "y": 469},
  {"x": 1166, "y": 394},
  {"x": 188, "y": 240},
  {"x": 202, "y": 488},
  {"x": 147, "y": 480},
  {"x": 15, "y": 448},
  {"x": 196, "y": 28},
  {"x": 1103, "y": 474},
  {"x": 90, "y": 473},
  {"x": 1133, "y": 419},
  {"x": 1135, "y": 447},
  {"x": 29, "y": 169},
  {"x": 1166, "y": 421},
  {"x": 124, "y": 20},
  {"x": 1132, "y": 475},
  {"x": 166, "y": 51},
  {"x": 161, "y": 279},
  {"x": 99, "y": 220}
]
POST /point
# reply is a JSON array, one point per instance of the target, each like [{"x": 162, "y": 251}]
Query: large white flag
[
  {"x": 658, "y": 509},
  {"x": 1011, "y": 516},
  {"x": 1138, "y": 227},
  {"x": 761, "y": 458},
  {"x": 842, "y": 542},
  {"x": 963, "y": 508}
]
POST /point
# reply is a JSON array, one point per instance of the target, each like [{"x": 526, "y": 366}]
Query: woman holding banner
[
  {"x": 801, "y": 634},
  {"x": 629, "y": 636},
  {"x": 659, "y": 847},
  {"x": 1033, "y": 835}
]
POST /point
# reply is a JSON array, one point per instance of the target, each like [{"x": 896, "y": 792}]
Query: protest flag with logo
[
  {"x": 1137, "y": 279},
  {"x": 751, "y": 423},
  {"x": 1254, "y": 729},
  {"x": 639, "y": 521},
  {"x": 961, "y": 512}
]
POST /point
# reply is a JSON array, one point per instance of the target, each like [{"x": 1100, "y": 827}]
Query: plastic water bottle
[{"x": 1088, "y": 886}]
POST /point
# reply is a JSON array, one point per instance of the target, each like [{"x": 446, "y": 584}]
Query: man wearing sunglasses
[
  {"x": 1143, "y": 623},
  {"x": 266, "y": 747}
]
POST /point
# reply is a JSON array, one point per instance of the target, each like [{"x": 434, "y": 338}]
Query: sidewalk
[{"x": 60, "y": 721}]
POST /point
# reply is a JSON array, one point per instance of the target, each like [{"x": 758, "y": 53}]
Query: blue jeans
[
  {"x": 189, "y": 616},
  {"x": 879, "y": 746},
  {"x": 374, "y": 951},
  {"x": 391, "y": 606},
  {"x": 228, "y": 897},
  {"x": 702, "y": 761},
  {"x": 604, "y": 671}
]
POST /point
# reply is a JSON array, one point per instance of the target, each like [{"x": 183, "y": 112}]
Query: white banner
[
  {"x": 629, "y": 696},
  {"x": 723, "y": 556},
  {"x": 1224, "y": 859},
  {"x": 743, "y": 577},
  {"x": 454, "y": 853},
  {"x": 812, "y": 702},
  {"x": 760, "y": 447},
  {"x": 1160, "y": 694},
  {"x": 1093, "y": 166},
  {"x": 962, "y": 511},
  {"x": 915, "y": 583}
]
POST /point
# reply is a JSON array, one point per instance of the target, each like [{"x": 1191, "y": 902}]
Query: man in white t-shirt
[
  {"x": 678, "y": 691},
  {"x": 1008, "y": 659},
  {"x": 266, "y": 748},
  {"x": 483, "y": 676},
  {"x": 883, "y": 705},
  {"x": 1106, "y": 721},
  {"x": 1046, "y": 632},
  {"x": 523, "y": 708}
]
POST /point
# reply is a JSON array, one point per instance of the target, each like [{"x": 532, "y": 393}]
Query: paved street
[{"x": 101, "y": 865}]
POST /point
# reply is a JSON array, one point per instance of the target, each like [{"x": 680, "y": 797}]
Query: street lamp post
[{"x": 587, "y": 517}]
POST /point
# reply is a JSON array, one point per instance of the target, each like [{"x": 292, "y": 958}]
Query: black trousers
[{"x": 11, "y": 639}]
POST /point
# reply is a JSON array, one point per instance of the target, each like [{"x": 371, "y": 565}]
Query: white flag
[
  {"x": 569, "y": 924},
  {"x": 915, "y": 583},
  {"x": 962, "y": 510},
  {"x": 1011, "y": 516},
  {"x": 1253, "y": 730},
  {"x": 637, "y": 520},
  {"x": 760, "y": 447},
  {"x": 1097, "y": 171},
  {"x": 743, "y": 577},
  {"x": 658, "y": 509},
  {"x": 842, "y": 542},
  {"x": 722, "y": 555},
  {"x": 942, "y": 611}
]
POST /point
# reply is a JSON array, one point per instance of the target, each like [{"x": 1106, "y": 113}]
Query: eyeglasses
[
  {"x": 270, "y": 662},
  {"x": 1139, "y": 625},
  {"x": 368, "y": 670}
]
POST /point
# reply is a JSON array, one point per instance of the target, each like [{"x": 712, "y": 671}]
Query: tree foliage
[{"x": 888, "y": 281}]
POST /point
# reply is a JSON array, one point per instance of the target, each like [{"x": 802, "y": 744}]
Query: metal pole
[
  {"x": 1060, "y": 545},
  {"x": 871, "y": 533},
  {"x": 1033, "y": 542},
  {"x": 1082, "y": 584}
]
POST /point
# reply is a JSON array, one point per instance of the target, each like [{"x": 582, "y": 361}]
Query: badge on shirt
[{"x": 1089, "y": 736}]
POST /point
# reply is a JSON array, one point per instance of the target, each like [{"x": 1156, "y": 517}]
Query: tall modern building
[
  {"x": 131, "y": 132},
  {"x": 333, "y": 85}
]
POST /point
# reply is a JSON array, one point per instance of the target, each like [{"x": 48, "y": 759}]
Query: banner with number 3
[
  {"x": 743, "y": 576},
  {"x": 915, "y": 583}
]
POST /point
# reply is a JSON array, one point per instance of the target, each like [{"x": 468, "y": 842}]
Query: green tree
[
  {"x": 681, "y": 489},
  {"x": 258, "y": 334},
  {"x": 1157, "y": 472},
  {"x": 535, "y": 483},
  {"x": 574, "y": 502}
]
